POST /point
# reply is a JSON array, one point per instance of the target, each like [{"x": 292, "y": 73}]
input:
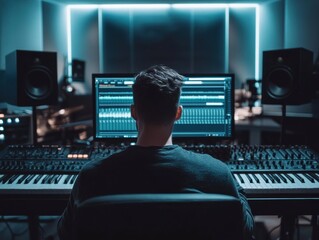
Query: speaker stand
[
  {"x": 283, "y": 124},
  {"x": 34, "y": 126}
]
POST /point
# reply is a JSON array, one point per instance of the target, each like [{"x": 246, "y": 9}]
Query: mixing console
[
  {"x": 55, "y": 158},
  {"x": 258, "y": 169}
]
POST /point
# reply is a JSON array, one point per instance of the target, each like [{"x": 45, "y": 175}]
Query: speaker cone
[
  {"x": 280, "y": 83},
  {"x": 38, "y": 83}
]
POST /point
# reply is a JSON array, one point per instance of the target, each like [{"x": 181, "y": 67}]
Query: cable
[
  {"x": 18, "y": 219},
  {"x": 8, "y": 227},
  {"x": 271, "y": 230}
]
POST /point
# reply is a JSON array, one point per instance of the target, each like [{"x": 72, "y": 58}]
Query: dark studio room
[{"x": 148, "y": 119}]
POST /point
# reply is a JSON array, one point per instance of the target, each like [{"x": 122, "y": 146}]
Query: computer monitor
[{"x": 207, "y": 100}]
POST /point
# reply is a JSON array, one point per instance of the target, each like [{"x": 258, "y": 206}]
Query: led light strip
[{"x": 165, "y": 7}]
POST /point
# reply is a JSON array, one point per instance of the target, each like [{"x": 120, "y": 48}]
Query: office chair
[{"x": 160, "y": 216}]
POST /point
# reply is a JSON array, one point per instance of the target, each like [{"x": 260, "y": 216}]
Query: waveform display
[
  {"x": 115, "y": 100},
  {"x": 202, "y": 116},
  {"x": 116, "y": 120}
]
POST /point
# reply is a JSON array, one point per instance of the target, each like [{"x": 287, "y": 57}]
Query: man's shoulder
[
  {"x": 100, "y": 163},
  {"x": 202, "y": 157}
]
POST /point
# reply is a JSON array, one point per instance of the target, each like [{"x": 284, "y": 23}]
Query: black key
[
  {"x": 249, "y": 178},
  {"x": 38, "y": 178},
  {"x": 277, "y": 179},
  {"x": 299, "y": 177},
  {"x": 73, "y": 179},
  {"x": 256, "y": 178},
  {"x": 21, "y": 179},
  {"x": 264, "y": 177},
  {"x": 56, "y": 181},
  {"x": 314, "y": 176},
  {"x": 66, "y": 180},
  {"x": 309, "y": 177},
  {"x": 29, "y": 178},
  {"x": 49, "y": 179},
  {"x": 3, "y": 178},
  {"x": 240, "y": 178},
  {"x": 289, "y": 178},
  {"x": 53, "y": 179},
  {"x": 282, "y": 177},
  {"x": 13, "y": 178},
  {"x": 271, "y": 178}
]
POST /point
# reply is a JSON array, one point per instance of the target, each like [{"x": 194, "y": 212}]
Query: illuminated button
[
  {"x": 16, "y": 120},
  {"x": 69, "y": 155},
  {"x": 9, "y": 120}
]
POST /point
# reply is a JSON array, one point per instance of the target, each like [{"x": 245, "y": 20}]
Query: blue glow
[
  {"x": 9, "y": 120},
  {"x": 69, "y": 39},
  {"x": 16, "y": 120},
  {"x": 198, "y": 5},
  {"x": 257, "y": 42},
  {"x": 136, "y": 6},
  {"x": 226, "y": 39},
  {"x": 202, "y": 6}
]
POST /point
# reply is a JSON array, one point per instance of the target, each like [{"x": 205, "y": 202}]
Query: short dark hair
[{"x": 156, "y": 94}]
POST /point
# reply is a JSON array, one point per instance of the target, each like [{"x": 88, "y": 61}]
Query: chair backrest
[{"x": 160, "y": 216}]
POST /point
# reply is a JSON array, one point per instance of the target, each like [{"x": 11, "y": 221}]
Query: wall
[
  {"x": 301, "y": 24},
  {"x": 54, "y": 33},
  {"x": 20, "y": 26},
  {"x": 272, "y": 27}
]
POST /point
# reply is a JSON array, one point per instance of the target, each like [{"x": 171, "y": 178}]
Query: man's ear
[
  {"x": 179, "y": 112},
  {"x": 133, "y": 111}
]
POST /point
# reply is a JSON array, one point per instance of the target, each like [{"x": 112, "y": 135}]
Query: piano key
[
  {"x": 13, "y": 178},
  {"x": 289, "y": 178},
  {"x": 281, "y": 176},
  {"x": 57, "y": 180},
  {"x": 256, "y": 178},
  {"x": 38, "y": 178},
  {"x": 309, "y": 177},
  {"x": 299, "y": 177},
  {"x": 292, "y": 183},
  {"x": 264, "y": 177},
  {"x": 22, "y": 178},
  {"x": 314, "y": 176},
  {"x": 249, "y": 178},
  {"x": 36, "y": 186},
  {"x": 29, "y": 178},
  {"x": 67, "y": 179},
  {"x": 270, "y": 177}
]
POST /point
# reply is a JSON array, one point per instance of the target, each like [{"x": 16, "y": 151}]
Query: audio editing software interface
[{"x": 207, "y": 107}]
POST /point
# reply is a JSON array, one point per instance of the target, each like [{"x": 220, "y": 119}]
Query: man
[{"x": 154, "y": 164}]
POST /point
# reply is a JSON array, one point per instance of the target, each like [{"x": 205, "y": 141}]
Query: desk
[{"x": 255, "y": 126}]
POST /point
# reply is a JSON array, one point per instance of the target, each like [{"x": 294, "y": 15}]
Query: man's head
[{"x": 156, "y": 94}]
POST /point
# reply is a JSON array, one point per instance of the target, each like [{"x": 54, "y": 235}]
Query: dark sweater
[{"x": 168, "y": 169}]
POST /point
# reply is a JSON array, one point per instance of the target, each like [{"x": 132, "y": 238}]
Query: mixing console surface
[{"x": 55, "y": 158}]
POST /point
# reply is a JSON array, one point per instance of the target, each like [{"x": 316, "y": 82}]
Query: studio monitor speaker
[
  {"x": 287, "y": 76},
  {"x": 31, "y": 78}
]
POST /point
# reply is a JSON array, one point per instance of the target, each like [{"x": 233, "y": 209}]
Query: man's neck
[{"x": 154, "y": 136}]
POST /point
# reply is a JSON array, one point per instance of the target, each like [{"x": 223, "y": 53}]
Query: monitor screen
[{"x": 207, "y": 100}]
